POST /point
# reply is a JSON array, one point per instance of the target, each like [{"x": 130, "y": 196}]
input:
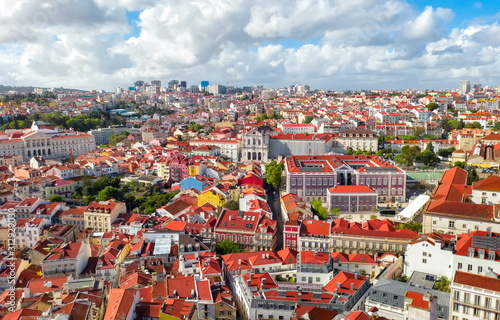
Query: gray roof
[{"x": 400, "y": 288}]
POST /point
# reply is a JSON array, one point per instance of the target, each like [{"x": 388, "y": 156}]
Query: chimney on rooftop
[{"x": 352, "y": 286}]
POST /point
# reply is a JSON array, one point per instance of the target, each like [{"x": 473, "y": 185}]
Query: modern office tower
[
  {"x": 194, "y": 89},
  {"x": 464, "y": 86},
  {"x": 216, "y": 89},
  {"x": 156, "y": 83},
  {"x": 138, "y": 84},
  {"x": 183, "y": 84},
  {"x": 172, "y": 84}
]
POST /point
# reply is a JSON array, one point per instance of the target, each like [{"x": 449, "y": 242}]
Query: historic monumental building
[
  {"x": 255, "y": 144},
  {"x": 46, "y": 141},
  {"x": 311, "y": 177}
]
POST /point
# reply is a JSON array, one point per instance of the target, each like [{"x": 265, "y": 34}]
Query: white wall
[
  {"x": 438, "y": 262},
  {"x": 491, "y": 197}
]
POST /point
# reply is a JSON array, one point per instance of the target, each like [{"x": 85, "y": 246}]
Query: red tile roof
[
  {"x": 183, "y": 287},
  {"x": 234, "y": 220},
  {"x": 342, "y": 283},
  {"x": 418, "y": 300},
  {"x": 315, "y": 227},
  {"x": 477, "y": 281},
  {"x": 119, "y": 303},
  {"x": 352, "y": 189},
  {"x": 44, "y": 285},
  {"x": 311, "y": 257},
  {"x": 67, "y": 251},
  {"x": 491, "y": 183}
]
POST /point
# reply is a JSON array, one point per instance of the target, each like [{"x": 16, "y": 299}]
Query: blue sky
[
  {"x": 467, "y": 12},
  {"x": 328, "y": 44},
  {"x": 133, "y": 21}
]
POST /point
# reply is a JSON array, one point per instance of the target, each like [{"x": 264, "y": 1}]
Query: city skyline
[{"x": 362, "y": 44}]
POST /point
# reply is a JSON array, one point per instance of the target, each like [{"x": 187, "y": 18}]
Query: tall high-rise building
[
  {"x": 138, "y": 84},
  {"x": 194, "y": 89},
  {"x": 156, "y": 83},
  {"x": 477, "y": 87},
  {"x": 204, "y": 85},
  {"x": 172, "y": 84},
  {"x": 216, "y": 89},
  {"x": 183, "y": 84},
  {"x": 464, "y": 86}
]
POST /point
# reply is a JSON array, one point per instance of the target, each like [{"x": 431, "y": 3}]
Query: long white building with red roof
[
  {"x": 451, "y": 211},
  {"x": 45, "y": 141},
  {"x": 373, "y": 236}
]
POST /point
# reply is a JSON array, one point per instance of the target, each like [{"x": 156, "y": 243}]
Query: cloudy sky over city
[{"x": 328, "y": 44}]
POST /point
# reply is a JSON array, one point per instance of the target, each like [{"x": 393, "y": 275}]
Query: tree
[
  {"x": 373, "y": 216},
  {"x": 446, "y": 152},
  {"x": 57, "y": 198},
  {"x": 195, "y": 127},
  {"x": 308, "y": 119},
  {"x": 274, "y": 171},
  {"x": 108, "y": 193},
  {"x": 455, "y": 124},
  {"x": 232, "y": 205},
  {"x": 496, "y": 127},
  {"x": 428, "y": 157},
  {"x": 473, "y": 125},
  {"x": 415, "y": 226},
  {"x": 117, "y": 138},
  {"x": 89, "y": 199},
  {"x": 319, "y": 210},
  {"x": 227, "y": 246},
  {"x": 335, "y": 212},
  {"x": 472, "y": 175},
  {"x": 460, "y": 164},
  {"x": 149, "y": 204},
  {"x": 418, "y": 132},
  {"x": 261, "y": 117},
  {"x": 407, "y": 137},
  {"x": 408, "y": 155},
  {"x": 442, "y": 284},
  {"x": 432, "y": 106}
]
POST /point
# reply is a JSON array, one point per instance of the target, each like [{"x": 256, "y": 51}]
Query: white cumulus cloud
[{"x": 325, "y": 43}]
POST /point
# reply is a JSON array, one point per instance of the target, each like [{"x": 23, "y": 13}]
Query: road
[{"x": 274, "y": 204}]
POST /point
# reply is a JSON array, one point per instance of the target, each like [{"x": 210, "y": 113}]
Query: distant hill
[{"x": 29, "y": 89}]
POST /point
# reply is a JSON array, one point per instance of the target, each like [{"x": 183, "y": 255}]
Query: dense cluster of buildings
[{"x": 76, "y": 257}]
